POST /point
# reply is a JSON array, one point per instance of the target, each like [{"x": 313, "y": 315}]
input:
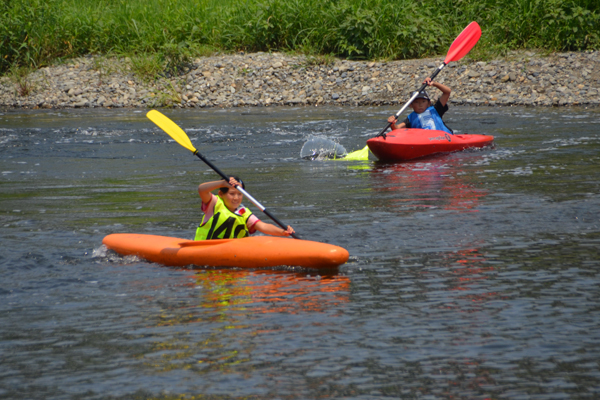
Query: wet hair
[{"x": 226, "y": 189}]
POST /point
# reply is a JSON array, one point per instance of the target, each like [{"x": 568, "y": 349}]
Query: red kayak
[{"x": 406, "y": 144}]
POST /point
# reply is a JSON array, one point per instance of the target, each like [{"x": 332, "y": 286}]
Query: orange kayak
[
  {"x": 406, "y": 144},
  {"x": 249, "y": 252}
]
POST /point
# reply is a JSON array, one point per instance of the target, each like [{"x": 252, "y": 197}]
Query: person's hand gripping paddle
[{"x": 173, "y": 130}]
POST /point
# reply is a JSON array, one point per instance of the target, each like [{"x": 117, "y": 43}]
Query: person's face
[
  {"x": 420, "y": 105},
  {"x": 232, "y": 199}
]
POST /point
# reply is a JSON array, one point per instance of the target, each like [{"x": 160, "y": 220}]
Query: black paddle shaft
[
  {"x": 437, "y": 71},
  {"x": 252, "y": 199}
]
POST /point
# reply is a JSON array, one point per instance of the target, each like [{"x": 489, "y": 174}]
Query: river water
[{"x": 474, "y": 275}]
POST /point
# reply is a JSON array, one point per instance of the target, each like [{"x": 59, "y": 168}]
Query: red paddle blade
[{"x": 464, "y": 42}]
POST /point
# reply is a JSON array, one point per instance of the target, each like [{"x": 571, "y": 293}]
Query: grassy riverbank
[{"x": 155, "y": 33}]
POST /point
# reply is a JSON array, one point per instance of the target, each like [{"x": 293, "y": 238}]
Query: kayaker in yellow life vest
[{"x": 226, "y": 218}]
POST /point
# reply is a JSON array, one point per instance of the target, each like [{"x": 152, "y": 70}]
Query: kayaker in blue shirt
[
  {"x": 426, "y": 116},
  {"x": 226, "y": 218}
]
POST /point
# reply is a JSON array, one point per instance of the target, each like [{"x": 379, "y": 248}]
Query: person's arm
[
  {"x": 205, "y": 189},
  {"x": 270, "y": 229},
  {"x": 392, "y": 120},
  {"x": 443, "y": 88}
]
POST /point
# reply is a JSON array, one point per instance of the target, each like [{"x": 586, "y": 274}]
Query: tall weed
[
  {"x": 20, "y": 78},
  {"x": 147, "y": 66}
]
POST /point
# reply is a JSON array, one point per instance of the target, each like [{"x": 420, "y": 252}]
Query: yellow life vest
[{"x": 224, "y": 224}]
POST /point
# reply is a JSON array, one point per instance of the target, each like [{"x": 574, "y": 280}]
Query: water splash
[{"x": 320, "y": 148}]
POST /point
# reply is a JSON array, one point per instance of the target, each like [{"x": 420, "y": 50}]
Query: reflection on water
[
  {"x": 221, "y": 304},
  {"x": 473, "y": 275},
  {"x": 428, "y": 184},
  {"x": 267, "y": 292}
]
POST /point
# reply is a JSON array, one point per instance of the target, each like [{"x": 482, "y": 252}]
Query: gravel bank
[{"x": 269, "y": 79}]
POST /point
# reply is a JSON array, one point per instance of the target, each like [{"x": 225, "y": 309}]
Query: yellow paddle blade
[
  {"x": 358, "y": 155},
  {"x": 171, "y": 129}
]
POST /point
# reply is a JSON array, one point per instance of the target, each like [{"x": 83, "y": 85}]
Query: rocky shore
[{"x": 276, "y": 79}]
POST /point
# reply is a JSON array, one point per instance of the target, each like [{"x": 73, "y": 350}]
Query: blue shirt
[{"x": 431, "y": 118}]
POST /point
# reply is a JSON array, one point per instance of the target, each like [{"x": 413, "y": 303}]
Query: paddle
[
  {"x": 459, "y": 48},
  {"x": 180, "y": 137}
]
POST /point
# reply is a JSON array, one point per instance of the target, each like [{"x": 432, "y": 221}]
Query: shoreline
[{"x": 275, "y": 79}]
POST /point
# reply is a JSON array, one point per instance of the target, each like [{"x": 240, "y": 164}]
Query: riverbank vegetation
[{"x": 163, "y": 35}]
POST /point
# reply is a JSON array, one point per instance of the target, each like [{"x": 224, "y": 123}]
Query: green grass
[{"x": 167, "y": 33}]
